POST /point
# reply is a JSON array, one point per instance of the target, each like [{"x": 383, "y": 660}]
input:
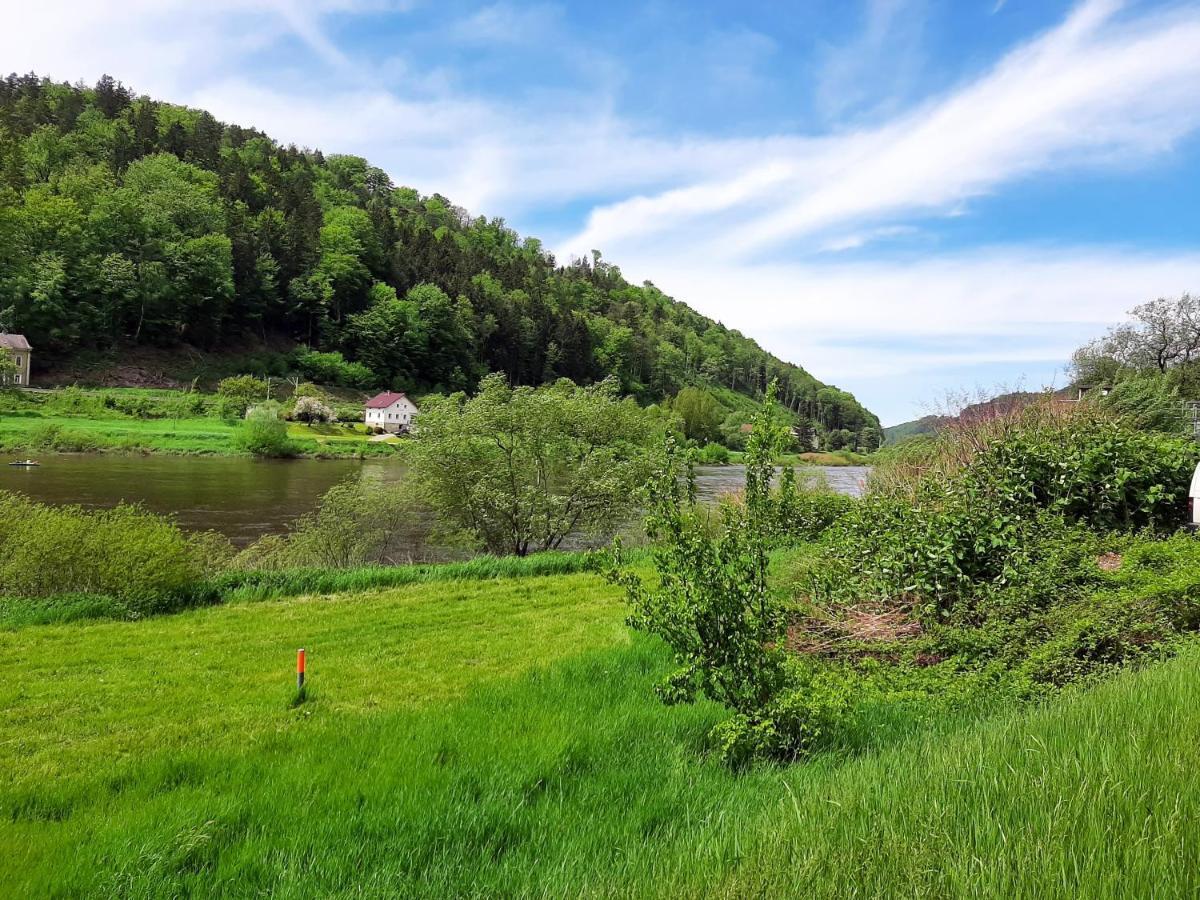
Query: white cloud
[
  {"x": 875, "y": 68},
  {"x": 873, "y": 327},
  {"x": 1093, "y": 91}
]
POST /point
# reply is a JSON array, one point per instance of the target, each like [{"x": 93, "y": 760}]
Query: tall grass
[
  {"x": 271, "y": 585},
  {"x": 899, "y": 469},
  {"x": 253, "y": 586}
]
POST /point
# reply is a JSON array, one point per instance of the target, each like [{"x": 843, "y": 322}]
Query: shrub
[
  {"x": 311, "y": 410},
  {"x": 142, "y": 559},
  {"x": 54, "y": 437},
  {"x": 238, "y": 393},
  {"x": 358, "y": 522},
  {"x": 521, "y": 468},
  {"x": 713, "y": 455},
  {"x": 978, "y": 527},
  {"x": 983, "y": 571},
  {"x": 264, "y": 433},
  {"x": 712, "y": 604},
  {"x": 332, "y": 368}
]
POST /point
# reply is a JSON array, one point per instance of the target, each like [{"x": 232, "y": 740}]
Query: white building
[
  {"x": 18, "y": 348},
  {"x": 390, "y": 411}
]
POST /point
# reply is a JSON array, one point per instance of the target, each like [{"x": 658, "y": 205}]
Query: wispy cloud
[
  {"x": 1093, "y": 91},
  {"x": 876, "y": 66}
]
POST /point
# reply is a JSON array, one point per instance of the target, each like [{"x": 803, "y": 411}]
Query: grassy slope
[{"x": 500, "y": 737}]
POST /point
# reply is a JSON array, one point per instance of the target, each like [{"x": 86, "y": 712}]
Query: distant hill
[
  {"x": 893, "y": 434},
  {"x": 127, "y": 222},
  {"x": 931, "y": 424}
]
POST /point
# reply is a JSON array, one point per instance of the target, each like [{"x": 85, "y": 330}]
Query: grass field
[
  {"x": 500, "y": 737},
  {"x": 37, "y": 422}
]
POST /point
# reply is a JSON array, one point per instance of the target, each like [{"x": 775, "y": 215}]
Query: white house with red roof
[{"x": 390, "y": 411}]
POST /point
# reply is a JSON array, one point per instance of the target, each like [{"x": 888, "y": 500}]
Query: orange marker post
[{"x": 300, "y": 669}]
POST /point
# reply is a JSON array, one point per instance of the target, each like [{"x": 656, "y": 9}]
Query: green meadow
[
  {"x": 500, "y": 736},
  {"x": 142, "y": 420}
]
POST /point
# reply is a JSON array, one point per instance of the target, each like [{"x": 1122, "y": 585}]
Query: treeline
[
  {"x": 128, "y": 221},
  {"x": 1144, "y": 366}
]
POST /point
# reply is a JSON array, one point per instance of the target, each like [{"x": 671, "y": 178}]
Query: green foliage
[
  {"x": 238, "y": 393},
  {"x": 54, "y": 437},
  {"x": 8, "y": 372},
  {"x": 143, "y": 223},
  {"x": 980, "y": 526},
  {"x": 1147, "y": 401},
  {"x": 142, "y": 560},
  {"x": 264, "y": 433},
  {"x": 311, "y": 411},
  {"x": 521, "y": 468},
  {"x": 712, "y": 604},
  {"x": 332, "y": 368},
  {"x": 356, "y": 523},
  {"x": 712, "y": 455},
  {"x": 701, "y": 414}
]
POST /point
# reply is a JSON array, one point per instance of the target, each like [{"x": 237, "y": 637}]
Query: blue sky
[{"x": 908, "y": 197}]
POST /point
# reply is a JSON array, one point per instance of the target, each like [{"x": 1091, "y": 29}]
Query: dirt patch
[
  {"x": 861, "y": 624},
  {"x": 1110, "y": 562}
]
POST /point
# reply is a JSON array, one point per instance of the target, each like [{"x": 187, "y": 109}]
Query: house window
[{"x": 18, "y": 379}]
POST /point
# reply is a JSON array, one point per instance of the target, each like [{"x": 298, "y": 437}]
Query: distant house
[
  {"x": 18, "y": 348},
  {"x": 390, "y": 411},
  {"x": 1077, "y": 392}
]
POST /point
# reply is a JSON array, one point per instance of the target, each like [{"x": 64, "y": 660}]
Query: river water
[{"x": 245, "y": 499}]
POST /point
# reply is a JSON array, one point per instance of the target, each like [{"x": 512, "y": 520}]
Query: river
[{"x": 245, "y": 499}]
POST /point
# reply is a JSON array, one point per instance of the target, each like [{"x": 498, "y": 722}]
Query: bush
[
  {"x": 142, "y": 559},
  {"x": 979, "y": 579},
  {"x": 264, "y": 433},
  {"x": 521, "y": 468},
  {"x": 238, "y": 393},
  {"x": 712, "y": 455},
  {"x": 979, "y": 526},
  {"x": 332, "y": 368},
  {"x": 311, "y": 410},
  {"x": 712, "y": 604},
  {"x": 358, "y": 522},
  {"x": 54, "y": 437}
]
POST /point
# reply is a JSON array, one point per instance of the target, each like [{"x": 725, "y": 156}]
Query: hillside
[
  {"x": 128, "y": 223},
  {"x": 893, "y": 434}
]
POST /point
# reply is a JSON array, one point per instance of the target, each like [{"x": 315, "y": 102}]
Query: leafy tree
[
  {"x": 701, "y": 414},
  {"x": 310, "y": 410},
  {"x": 1164, "y": 333},
  {"x": 239, "y": 393},
  {"x": 712, "y": 604},
  {"x": 8, "y": 372},
  {"x": 521, "y": 468}
]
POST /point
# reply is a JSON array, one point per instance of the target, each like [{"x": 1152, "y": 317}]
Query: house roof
[
  {"x": 386, "y": 399},
  {"x": 14, "y": 342}
]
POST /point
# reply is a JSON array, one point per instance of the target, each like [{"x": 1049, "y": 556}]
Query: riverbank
[
  {"x": 161, "y": 757},
  {"x": 133, "y": 420},
  {"x": 829, "y": 459}
]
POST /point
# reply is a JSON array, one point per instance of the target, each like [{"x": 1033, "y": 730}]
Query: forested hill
[{"x": 128, "y": 221}]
